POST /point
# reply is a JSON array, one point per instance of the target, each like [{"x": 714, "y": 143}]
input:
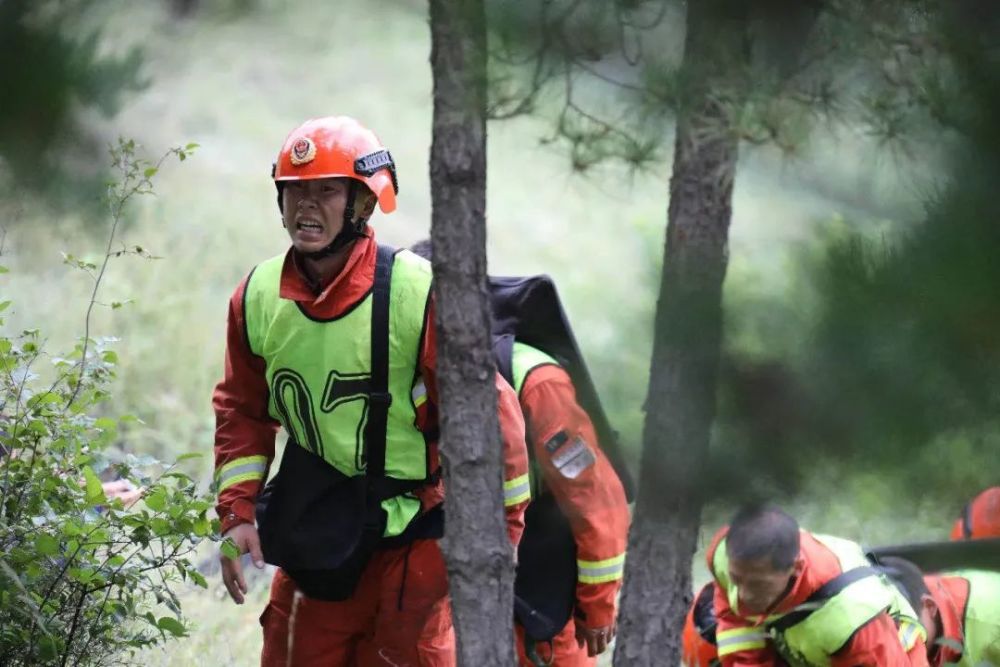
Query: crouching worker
[
  {"x": 960, "y": 611},
  {"x": 787, "y": 596},
  {"x": 334, "y": 341}
]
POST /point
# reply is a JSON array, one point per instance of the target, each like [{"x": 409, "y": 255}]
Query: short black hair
[
  {"x": 906, "y": 576},
  {"x": 763, "y": 531},
  {"x": 422, "y": 248}
]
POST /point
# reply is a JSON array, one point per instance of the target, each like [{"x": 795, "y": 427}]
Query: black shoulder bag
[{"x": 316, "y": 523}]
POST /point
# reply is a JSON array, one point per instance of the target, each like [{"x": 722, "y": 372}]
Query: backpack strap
[
  {"x": 967, "y": 521},
  {"x": 379, "y": 398},
  {"x": 503, "y": 352},
  {"x": 821, "y": 595}
]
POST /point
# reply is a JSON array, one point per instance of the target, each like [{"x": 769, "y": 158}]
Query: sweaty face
[
  {"x": 313, "y": 211},
  {"x": 760, "y": 585}
]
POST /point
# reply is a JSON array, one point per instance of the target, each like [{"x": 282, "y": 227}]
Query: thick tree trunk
[
  {"x": 680, "y": 404},
  {"x": 476, "y": 546}
]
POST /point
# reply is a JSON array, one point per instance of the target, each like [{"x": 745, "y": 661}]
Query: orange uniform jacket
[
  {"x": 981, "y": 517},
  {"x": 951, "y": 595},
  {"x": 245, "y": 429},
  {"x": 592, "y": 498},
  {"x": 876, "y": 644}
]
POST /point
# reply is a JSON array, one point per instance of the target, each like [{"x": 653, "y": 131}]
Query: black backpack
[{"x": 528, "y": 309}]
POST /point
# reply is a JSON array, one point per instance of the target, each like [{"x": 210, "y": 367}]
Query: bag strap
[
  {"x": 379, "y": 398},
  {"x": 503, "y": 352},
  {"x": 967, "y": 521},
  {"x": 821, "y": 595}
]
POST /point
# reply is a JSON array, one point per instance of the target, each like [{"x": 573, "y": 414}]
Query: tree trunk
[
  {"x": 476, "y": 546},
  {"x": 680, "y": 403}
]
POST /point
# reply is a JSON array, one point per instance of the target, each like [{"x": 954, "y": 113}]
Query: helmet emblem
[{"x": 303, "y": 151}]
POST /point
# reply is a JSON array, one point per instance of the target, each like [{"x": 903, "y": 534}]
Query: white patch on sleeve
[{"x": 571, "y": 460}]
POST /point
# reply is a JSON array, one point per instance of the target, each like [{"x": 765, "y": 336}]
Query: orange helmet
[
  {"x": 338, "y": 147},
  {"x": 698, "y": 642},
  {"x": 980, "y": 518}
]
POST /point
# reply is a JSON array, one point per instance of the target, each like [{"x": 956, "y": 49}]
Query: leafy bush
[{"x": 85, "y": 580}]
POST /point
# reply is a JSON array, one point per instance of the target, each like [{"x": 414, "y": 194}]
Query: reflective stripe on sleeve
[
  {"x": 740, "y": 639},
  {"x": 909, "y": 633},
  {"x": 241, "y": 470},
  {"x": 419, "y": 394},
  {"x": 600, "y": 571},
  {"x": 516, "y": 490}
]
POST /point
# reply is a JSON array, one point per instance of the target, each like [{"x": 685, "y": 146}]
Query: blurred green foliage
[
  {"x": 85, "y": 580},
  {"x": 894, "y": 365},
  {"x": 53, "y": 69}
]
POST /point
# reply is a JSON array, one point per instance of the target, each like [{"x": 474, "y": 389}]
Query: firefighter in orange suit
[
  {"x": 981, "y": 517},
  {"x": 299, "y": 357},
  {"x": 573, "y": 468},
  {"x": 570, "y": 468},
  {"x": 788, "y": 596}
]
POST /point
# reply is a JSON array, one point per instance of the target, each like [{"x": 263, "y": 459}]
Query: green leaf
[
  {"x": 229, "y": 549},
  {"x": 47, "y": 398},
  {"x": 46, "y": 545},
  {"x": 95, "y": 492},
  {"x": 110, "y": 356},
  {"x": 4, "y": 305},
  {"x": 106, "y": 424},
  {"x": 188, "y": 456},
  {"x": 202, "y": 527},
  {"x": 150, "y": 172},
  {"x": 171, "y": 625},
  {"x": 161, "y": 527},
  {"x": 191, "y": 146},
  {"x": 157, "y": 500},
  {"x": 197, "y": 578},
  {"x": 48, "y": 649},
  {"x": 950, "y": 643},
  {"x": 4, "y": 269}
]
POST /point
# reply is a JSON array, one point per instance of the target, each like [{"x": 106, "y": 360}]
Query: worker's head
[
  {"x": 698, "y": 641},
  {"x": 762, "y": 547},
  {"x": 908, "y": 578},
  {"x": 980, "y": 518},
  {"x": 329, "y": 175}
]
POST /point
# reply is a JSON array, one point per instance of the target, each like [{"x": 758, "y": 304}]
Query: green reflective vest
[
  {"x": 981, "y": 621},
  {"x": 525, "y": 359},
  {"x": 318, "y": 374},
  {"x": 830, "y": 625}
]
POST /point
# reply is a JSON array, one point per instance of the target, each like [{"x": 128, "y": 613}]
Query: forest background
[{"x": 235, "y": 77}]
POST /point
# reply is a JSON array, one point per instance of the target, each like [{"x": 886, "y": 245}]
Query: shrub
[{"x": 85, "y": 580}]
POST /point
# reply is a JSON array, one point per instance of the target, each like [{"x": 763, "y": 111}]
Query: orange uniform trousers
[
  {"x": 400, "y": 615},
  {"x": 563, "y": 651}
]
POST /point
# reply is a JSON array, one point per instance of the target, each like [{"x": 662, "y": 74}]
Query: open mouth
[{"x": 309, "y": 226}]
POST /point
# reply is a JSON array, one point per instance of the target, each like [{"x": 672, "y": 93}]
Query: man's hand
[
  {"x": 596, "y": 639},
  {"x": 123, "y": 490},
  {"x": 245, "y": 537}
]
